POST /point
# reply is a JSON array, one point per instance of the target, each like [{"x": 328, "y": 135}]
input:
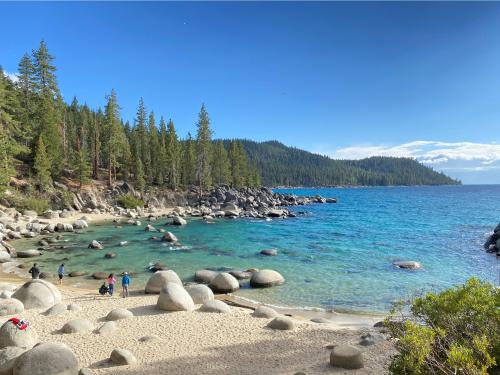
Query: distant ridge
[{"x": 281, "y": 165}]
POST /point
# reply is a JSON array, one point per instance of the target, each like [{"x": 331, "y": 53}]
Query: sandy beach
[{"x": 200, "y": 343}]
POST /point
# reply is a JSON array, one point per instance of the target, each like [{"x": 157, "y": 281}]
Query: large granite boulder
[
  {"x": 57, "y": 309},
  {"x": 173, "y": 297},
  {"x": 177, "y": 220},
  {"x": 108, "y": 328},
  {"x": 80, "y": 224},
  {"x": 169, "y": 237},
  {"x": 28, "y": 253},
  {"x": 282, "y": 323},
  {"x": 50, "y": 358},
  {"x": 266, "y": 278},
  {"x": 264, "y": 312},
  {"x": 160, "y": 279},
  {"x": 8, "y": 357},
  {"x": 94, "y": 244},
  {"x": 215, "y": 306},
  {"x": 346, "y": 356},
  {"x": 119, "y": 314},
  {"x": 122, "y": 357},
  {"x": 12, "y": 335},
  {"x": 224, "y": 283},
  {"x": 38, "y": 294},
  {"x": 205, "y": 276},
  {"x": 10, "y": 306},
  {"x": 77, "y": 326},
  {"x": 200, "y": 293}
]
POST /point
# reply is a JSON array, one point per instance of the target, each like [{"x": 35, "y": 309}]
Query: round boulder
[
  {"x": 205, "y": 276},
  {"x": 95, "y": 245},
  {"x": 346, "y": 356},
  {"x": 77, "y": 273},
  {"x": 77, "y": 326},
  {"x": 52, "y": 358},
  {"x": 173, "y": 297},
  {"x": 100, "y": 275},
  {"x": 266, "y": 278},
  {"x": 215, "y": 306},
  {"x": 200, "y": 293},
  {"x": 38, "y": 294},
  {"x": 224, "y": 283},
  {"x": 11, "y": 335},
  {"x": 177, "y": 220},
  {"x": 269, "y": 252},
  {"x": 407, "y": 265},
  {"x": 57, "y": 309},
  {"x": 85, "y": 371},
  {"x": 160, "y": 279},
  {"x": 169, "y": 237},
  {"x": 8, "y": 357},
  {"x": 119, "y": 314},
  {"x": 108, "y": 328},
  {"x": 264, "y": 312},
  {"x": 122, "y": 357},
  {"x": 28, "y": 253},
  {"x": 282, "y": 323},
  {"x": 10, "y": 306}
]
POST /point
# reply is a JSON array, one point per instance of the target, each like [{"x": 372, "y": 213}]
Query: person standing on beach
[
  {"x": 35, "y": 271},
  {"x": 60, "y": 273},
  {"x": 125, "y": 284},
  {"x": 111, "y": 283}
]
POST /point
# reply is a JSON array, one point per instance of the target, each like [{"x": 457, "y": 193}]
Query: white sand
[{"x": 200, "y": 343}]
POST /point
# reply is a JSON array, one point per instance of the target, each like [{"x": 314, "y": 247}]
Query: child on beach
[
  {"x": 125, "y": 284},
  {"x": 60, "y": 273},
  {"x": 111, "y": 283}
]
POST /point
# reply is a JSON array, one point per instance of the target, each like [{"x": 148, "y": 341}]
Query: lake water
[{"x": 335, "y": 256}]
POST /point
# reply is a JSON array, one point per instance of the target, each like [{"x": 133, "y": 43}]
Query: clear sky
[{"x": 344, "y": 79}]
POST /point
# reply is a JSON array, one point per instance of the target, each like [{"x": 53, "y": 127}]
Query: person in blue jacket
[{"x": 125, "y": 284}]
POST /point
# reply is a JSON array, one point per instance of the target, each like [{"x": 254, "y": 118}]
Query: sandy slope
[{"x": 200, "y": 343}]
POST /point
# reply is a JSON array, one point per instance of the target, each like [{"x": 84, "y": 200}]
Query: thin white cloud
[
  {"x": 459, "y": 159},
  {"x": 13, "y": 76}
]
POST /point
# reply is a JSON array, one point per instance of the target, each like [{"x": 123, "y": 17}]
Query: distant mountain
[{"x": 281, "y": 165}]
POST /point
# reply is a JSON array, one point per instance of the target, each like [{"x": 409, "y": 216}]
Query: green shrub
[
  {"x": 129, "y": 201},
  {"x": 40, "y": 205},
  {"x": 453, "y": 332}
]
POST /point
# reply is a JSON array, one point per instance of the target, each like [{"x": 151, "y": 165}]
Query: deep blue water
[{"x": 336, "y": 256}]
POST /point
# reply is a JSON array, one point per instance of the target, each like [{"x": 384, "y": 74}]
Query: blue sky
[{"x": 344, "y": 79}]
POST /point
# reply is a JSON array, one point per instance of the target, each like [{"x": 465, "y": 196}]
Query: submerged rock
[
  {"x": 408, "y": 265},
  {"x": 95, "y": 245},
  {"x": 169, "y": 237}
]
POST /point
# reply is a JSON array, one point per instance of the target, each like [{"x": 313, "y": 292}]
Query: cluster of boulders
[{"x": 492, "y": 244}]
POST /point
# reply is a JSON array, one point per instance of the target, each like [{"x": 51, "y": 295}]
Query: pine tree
[
  {"x": 162, "y": 162},
  {"x": 143, "y": 138},
  {"x": 6, "y": 160},
  {"x": 26, "y": 86},
  {"x": 114, "y": 140},
  {"x": 139, "y": 176},
  {"x": 220, "y": 164},
  {"x": 173, "y": 159},
  {"x": 47, "y": 116},
  {"x": 154, "y": 151},
  {"x": 42, "y": 166},
  {"x": 95, "y": 144},
  {"x": 189, "y": 162},
  {"x": 203, "y": 150},
  {"x": 82, "y": 166}
]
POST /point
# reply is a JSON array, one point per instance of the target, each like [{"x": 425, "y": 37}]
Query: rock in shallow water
[
  {"x": 266, "y": 279},
  {"x": 205, "y": 276},
  {"x": 408, "y": 265},
  {"x": 224, "y": 283}
]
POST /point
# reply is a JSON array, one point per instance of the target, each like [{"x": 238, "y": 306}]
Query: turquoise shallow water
[{"x": 336, "y": 256}]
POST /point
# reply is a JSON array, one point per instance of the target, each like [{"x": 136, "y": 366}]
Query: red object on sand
[{"x": 19, "y": 323}]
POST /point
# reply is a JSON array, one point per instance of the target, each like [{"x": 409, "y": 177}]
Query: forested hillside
[{"x": 287, "y": 166}]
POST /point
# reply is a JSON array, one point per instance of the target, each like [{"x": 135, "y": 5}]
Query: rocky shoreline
[{"x": 220, "y": 202}]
